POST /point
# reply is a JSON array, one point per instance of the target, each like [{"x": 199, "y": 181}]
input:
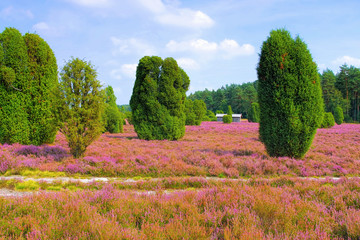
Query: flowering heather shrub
[
  {"x": 57, "y": 152},
  {"x": 212, "y": 149},
  {"x": 261, "y": 209}
]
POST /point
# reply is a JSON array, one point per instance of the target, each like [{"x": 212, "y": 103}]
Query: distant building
[{"x": 235, "y": 117}]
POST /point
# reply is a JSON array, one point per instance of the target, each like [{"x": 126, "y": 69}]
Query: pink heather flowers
[{"x": 212, "y": 149}]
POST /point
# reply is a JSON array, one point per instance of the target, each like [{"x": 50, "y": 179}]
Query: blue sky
[{"x": 216, "y": 42}]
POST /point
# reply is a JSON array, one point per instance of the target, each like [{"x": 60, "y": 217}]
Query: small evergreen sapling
[{"x": 338, "y": 115}]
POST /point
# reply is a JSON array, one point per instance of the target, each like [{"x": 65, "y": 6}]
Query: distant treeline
[
  {"x": 239, "y": 97},
  {"x": 339, "y": 90}
]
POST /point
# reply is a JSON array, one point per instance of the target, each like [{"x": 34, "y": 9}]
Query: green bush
[
  {"x": 328, "y": 120},
  {"x": 112, "y": 114},
  {"x": 80, "y": 105},
  {"x": 227, "y": 119},
  {"x": 254, "y": 113},
  {"x": 210, "y": 116},
  {"x": 14, "y": 99},
  {"x": 158, "y": 99},
  {"x": 43, "y": 72},
  {"x": 338, "y": 115},
  {"x": 194, "y": 111},
  {"x": 28, "y": 77},
  {"x": 289, "y": 92}
]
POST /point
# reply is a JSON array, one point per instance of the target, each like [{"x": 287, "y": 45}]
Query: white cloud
[
  {"x": 41, "y": 26},
  {"x": 172, "y": 15},
  {"x": 116, "y": 74},
  {"x": 187, "y": 63},
  {"x": 197, "y": 45},
  {"x": 129, "y": 70},
  {"x": 348, "y": 60},
  {"x": 91, "y": 3},
  {"x": 232, "y": 48},
  {"x": 13, "y": 13},
  {"x": 228, "y": 48},
  {"x": 131, "y": 46},
  {"x": 185, "y": 18}
]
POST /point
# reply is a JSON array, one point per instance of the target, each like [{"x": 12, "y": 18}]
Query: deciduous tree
[{"x": 81, "y": 102}]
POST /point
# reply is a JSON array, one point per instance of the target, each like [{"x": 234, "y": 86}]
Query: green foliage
[
  {"x": 328, "y": 120},
  {"x": 194, "y": 111},
  {"x": 158, "y": 99},
  {"x": 254, "y": 113},
  {"x": 113, "y": 119},
  {"x": 291, "y": 104},
  {"x": 210, "y": 116},
  {"x": 219, "y": 112},
  {"x": 229, "y": 111},
  {"x": 332, "y": 96},
  {"x": 239, "y": 97},
  {"x": 14, "y": 82},
  {"x": 80, "y": 105},
  {"x": 44, "y": 80},
  {"x": 189, "y": 112},
  {"x": 28, "y": 77},
  {"x": 227, "y": 119},
  {"x": 7, "y": 76},
  {"x": 348, "y": 82},
  {"x": 338, "y": 115}
]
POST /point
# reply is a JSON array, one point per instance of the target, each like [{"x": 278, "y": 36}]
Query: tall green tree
[
  {"x": 80, "y": 105},
  {"x": 338, "y": 115},
  {"x": 14, "y": 85},
  {"x": 113, "y": 119},
  {"x": 254, "y": 113},
  {"x": 332, "y": 96},
  {"x": 348, "y": 82},
  {"x": 158, "y": 99},
  {"x": 28, "y": 77},
  {"x": 43, "y": 80},
  {"x": 291, "y": 104}
]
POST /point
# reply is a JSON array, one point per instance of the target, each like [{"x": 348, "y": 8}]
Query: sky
[{"x": 217, "y": 42}]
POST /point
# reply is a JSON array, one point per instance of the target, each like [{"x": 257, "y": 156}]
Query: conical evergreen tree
[
  {"x": 158, "y": 99},
  {"x": 291, "y": 105},
  {"x": 14, "y": 83},
  {"x": 43, "y": 82}
]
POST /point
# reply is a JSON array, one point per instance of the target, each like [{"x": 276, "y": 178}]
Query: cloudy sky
[{"x": 216, "y": 42}]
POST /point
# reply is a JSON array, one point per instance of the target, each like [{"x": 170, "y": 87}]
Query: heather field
[
  {"x": 215, "y": 183},
  {"x": 212, "y": 149}
]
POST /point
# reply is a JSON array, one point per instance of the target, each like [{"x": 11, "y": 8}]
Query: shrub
[
  {"x": 254, "y": 113},
  {"x": 113, "y": 119},
  {"x": 158, "y": 99},
  {"x": 328, "y": 120},
  {"x": 28, "y": 77},
  {"x": 289, "y": 91},
  {"x": 80, "y": 105},
  {"x": 14, "y": 80},
  {"x": 210, "y": 116},
  {"x": 227, "y": 119},
  {"x": 194, "y": 111},
  {"x": 43, "y": 72},
  {"x": 338, "y": 115}
]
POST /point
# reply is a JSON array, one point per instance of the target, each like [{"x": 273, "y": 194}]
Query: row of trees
[
  {"x": 342, "y": 90},
  {"x": 239, "y": 97},
  {"x": 34, "y": 105},
  {"x": 339, "y": 90}
]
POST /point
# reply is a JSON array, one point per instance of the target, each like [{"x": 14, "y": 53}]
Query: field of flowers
[
  {"x": 212, "y": 149},
  {"x": 215, "y": 183}
]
